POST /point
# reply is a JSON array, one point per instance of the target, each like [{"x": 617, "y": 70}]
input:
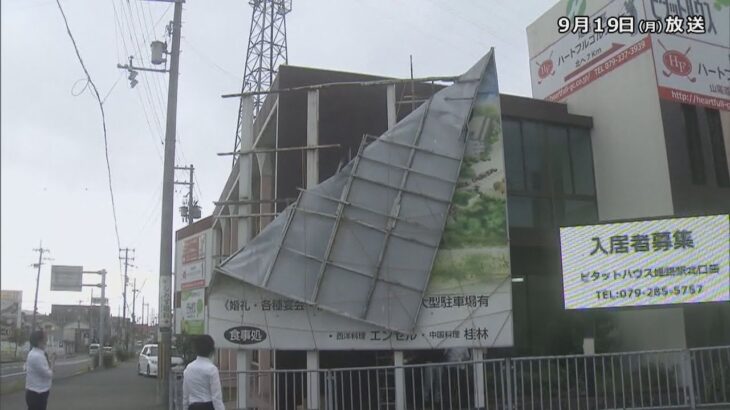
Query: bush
[
  {"x": 109, "y": 360},
  {"x": 123, "y": 355}
]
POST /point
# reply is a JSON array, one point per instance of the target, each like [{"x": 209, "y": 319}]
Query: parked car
[
  {"x": 93, "y": 349},
  {"x": 147, "y": 363}
]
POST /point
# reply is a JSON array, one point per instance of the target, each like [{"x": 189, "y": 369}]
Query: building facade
[{"x": 659, "y": 139}]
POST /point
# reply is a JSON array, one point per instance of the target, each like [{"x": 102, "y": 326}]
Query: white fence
[{"x": 681, "y": 379}]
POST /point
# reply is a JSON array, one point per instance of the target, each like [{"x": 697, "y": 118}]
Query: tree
[{"x": 19, "y": 337}]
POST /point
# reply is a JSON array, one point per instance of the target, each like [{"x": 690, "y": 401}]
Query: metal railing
[{"x": 669, "y": 379}]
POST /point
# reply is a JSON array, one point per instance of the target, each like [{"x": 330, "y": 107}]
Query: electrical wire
[
  {"x": 147, "y": 35},
  {"x": 154, "y": 114},
  {"x": 134, "y": 39},
  {"x": 162, "y": 16},
  {"x": 103, "y": 100},
  {"x": 209, "y": 60},
  {"x": 103, "y": 121},
  {"x": 147, "y": 115}
]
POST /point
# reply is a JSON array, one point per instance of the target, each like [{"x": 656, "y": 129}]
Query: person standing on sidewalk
[
  {"x": 38, "y": 373},
  {"x": 201, "y": 381}
]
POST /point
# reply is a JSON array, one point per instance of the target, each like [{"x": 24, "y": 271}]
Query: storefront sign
[
  {"x": 657, "y": 262},
  {"x": 193, "y": 271},
  {"x": 245, "y": 335},
  {"x": 446, "y": 321},
  {"x": 192, "y": 309},
  {"x": 193, "y": 249},
  {"x": 10, "y": 312}
]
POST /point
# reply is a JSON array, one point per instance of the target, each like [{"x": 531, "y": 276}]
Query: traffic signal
[{"x": 132, "y": 78}]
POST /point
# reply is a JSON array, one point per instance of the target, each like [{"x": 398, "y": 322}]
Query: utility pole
[
  {"x": 158, "y": 48},
  {"x": 38, "y": 265},
  {"x": 134, "y": 309},
  {"x": 192, "y": 211},
  {"x": 127, "y": 259},
  {"x": 168, "y": 196}
]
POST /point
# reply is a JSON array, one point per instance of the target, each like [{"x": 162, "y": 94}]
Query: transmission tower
[{"x": 266, "y": 50}]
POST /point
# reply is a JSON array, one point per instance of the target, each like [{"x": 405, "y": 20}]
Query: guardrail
[{"x": 669, "y": 379}]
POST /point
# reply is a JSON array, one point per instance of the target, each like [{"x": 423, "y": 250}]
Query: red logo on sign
[
  {"x": 677, "y": 63},
  {"x": 546, "y": 69}
]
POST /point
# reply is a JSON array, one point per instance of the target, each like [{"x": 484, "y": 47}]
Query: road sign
[
  {"x": 98, "y": 301},
  {"x": 66, "y": 278}
]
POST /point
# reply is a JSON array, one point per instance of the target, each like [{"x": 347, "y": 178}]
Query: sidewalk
[{"x": 119, "y": 388}]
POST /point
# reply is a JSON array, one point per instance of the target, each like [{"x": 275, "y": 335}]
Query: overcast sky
[{"x": 54, "y": 180}]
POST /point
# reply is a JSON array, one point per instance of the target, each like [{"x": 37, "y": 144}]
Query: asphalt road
[
  {"x": 119, "y": 388},
  {"x": 10, "y": 370}
]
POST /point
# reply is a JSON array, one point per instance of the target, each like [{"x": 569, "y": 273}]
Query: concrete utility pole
[
  {"x": 126, "y": 258},
  {"x": 101, "y": 316},
  {"x": 38, "y": 265},
  {"x": 134, "y": 309},
  {"x": 168, "y": 196}
]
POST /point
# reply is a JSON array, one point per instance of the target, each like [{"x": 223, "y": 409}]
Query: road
[
  {"x": 10, "y": 370},
  {"x": 12, "y": 375},
  {"x": 119, "y": 388}
]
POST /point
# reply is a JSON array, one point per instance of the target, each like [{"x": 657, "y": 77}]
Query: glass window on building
[
  {"x": 534, "y": 147},
  {"x": 581, "y": 156},
  {"x": 514, "y": 165},
  {"x": 529, "y": 212},
  {"x": 560, "y": 159},
  {"x": 719, "y": 153},
  {"x": 550, "y": 178},
  {"x": 576, "y": 211},
  {"x": 694, "y": 143}
]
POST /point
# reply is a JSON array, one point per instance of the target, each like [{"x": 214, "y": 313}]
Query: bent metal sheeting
[{"x": 362, "y": 243}]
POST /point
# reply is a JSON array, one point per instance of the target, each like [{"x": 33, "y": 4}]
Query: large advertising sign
[
  {"x": 577, "y": 59},
  {"x": 192, "y": 309},
  {"x": 655, "y": 262},
  {"x": 468, "y": 301},
  {"x": 692, "y": 62},
  {"x": 10, "y": 311},
  {"x": 693, "y": 68},
  {"x": 66, "y": 278},
  {"x": 193, "y": 262}
]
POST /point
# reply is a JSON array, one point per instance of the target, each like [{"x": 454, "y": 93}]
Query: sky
[{"x": 54, "y": 185}]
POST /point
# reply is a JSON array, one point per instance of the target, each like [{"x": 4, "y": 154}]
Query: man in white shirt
[
  {"x": 38, "y": 373},
  {"x": 201, "y": 381}
]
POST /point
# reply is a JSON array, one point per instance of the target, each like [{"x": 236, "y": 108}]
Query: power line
[
  {"x": 167, "y": 10},
  {"x": 103, "y": 122},
  {"x": 134, "y": 39},
  {"x": 209, "y": 60},
  {"x": 146, "y": 35},
  {"x": 145, "y": 111}
]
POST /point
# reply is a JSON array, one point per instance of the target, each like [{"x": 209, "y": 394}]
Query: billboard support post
[
  {"x": 479, "y": 393},
  {"x": 400, "y": 380},
  {"x": 243, "y": 365},
  {"x": 312, "y": 379},
  {"x": 102, "y": 303}
]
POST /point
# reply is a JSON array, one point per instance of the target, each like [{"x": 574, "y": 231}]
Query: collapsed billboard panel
[{"x": 444, "y": 277}]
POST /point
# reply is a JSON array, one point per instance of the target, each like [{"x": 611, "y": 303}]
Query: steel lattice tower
[{"x": 266, "y": 50}]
